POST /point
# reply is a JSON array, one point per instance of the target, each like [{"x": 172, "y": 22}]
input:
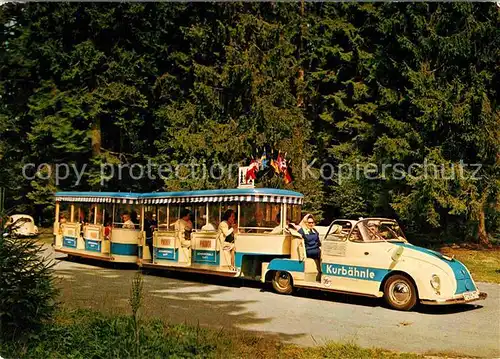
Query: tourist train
[{"x": 369, "y": 256}]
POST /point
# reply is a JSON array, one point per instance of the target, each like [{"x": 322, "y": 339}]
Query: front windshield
[{"x": 381, "y": 230}]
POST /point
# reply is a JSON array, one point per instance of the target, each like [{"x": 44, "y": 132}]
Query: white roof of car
[{"x": 15, "y": 217}]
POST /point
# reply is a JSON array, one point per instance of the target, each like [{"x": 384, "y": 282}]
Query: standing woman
[
  {"x": 310, "y": 236},
  {"x": 225, "y": 234}
]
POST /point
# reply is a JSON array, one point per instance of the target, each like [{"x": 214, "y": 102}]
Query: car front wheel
[{"x": 400, "y": 292}]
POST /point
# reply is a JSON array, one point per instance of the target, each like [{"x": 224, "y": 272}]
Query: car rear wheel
[
  {"x": 400, "y": 292},
  {"x": 282, "y": 282}
]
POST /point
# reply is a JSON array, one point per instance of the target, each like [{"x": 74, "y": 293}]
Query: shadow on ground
[
  {"x": 192, "y": 300},
  {"x": 96, "y": 284}
]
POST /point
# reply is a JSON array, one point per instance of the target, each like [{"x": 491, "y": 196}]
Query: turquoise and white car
[{"x": 372, "y": 257}]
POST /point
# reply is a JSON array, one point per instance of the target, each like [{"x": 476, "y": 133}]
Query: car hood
[{"x": 461, "y": 274}]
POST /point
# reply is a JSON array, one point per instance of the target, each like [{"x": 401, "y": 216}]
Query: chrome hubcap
[
  {"x": 400, "y": 292},
  {"x": 283, "y": 279}
]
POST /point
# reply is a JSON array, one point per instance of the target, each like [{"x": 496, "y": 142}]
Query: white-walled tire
[{"x": 282, "y": 282}]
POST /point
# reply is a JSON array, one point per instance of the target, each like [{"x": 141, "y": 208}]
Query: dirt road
[{"x": 306, "y": 318}]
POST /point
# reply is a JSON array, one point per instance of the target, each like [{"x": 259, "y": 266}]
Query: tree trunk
[
  {"x": 483, "y": 235},
  {"x": 300, "y": 98},
  {"x": 95, "y": 135}
]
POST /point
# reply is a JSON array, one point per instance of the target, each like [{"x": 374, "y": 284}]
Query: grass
[
  {"x": 483, "y": 264},
  {"x": 89, "y": 334}
]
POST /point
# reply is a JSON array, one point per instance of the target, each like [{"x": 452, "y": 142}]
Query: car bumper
[{"x": 457, "y": 300}]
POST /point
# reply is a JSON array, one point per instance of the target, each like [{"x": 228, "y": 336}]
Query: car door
[
  {"x": 361, "y": 266},
  {"x": 333, "y": 255}
]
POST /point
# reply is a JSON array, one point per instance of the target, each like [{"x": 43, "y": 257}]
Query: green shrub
[
  {"x": 27, "y": 291},
  {"x": 86, "y": 334}
]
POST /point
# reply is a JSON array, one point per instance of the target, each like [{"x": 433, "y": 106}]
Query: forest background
[{"x": 342, "y": 84}]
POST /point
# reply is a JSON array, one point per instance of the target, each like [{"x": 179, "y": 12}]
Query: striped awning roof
[
  {"x": 98, "y": 199},
  {"x": 209, "y": 199},
  {"x": 264, "y": 195}
]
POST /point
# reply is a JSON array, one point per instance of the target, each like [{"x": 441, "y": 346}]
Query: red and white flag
[{"x": 252, "y": 170}]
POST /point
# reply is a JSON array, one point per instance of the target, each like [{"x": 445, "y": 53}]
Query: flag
[
  {"x": 263, "y": 160},
  {"x": 252, "y": 170},
  {"x": 287, "y": 175},
  {"x": 274, "y": 165},
  {"x": 287, "y": 178},
  {"x": 283, "y": 168},
  {"x": 279, "y": 159},
  {"x": 281, "y": 162}
]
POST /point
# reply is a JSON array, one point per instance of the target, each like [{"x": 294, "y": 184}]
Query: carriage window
[
  {"x": 107, "y": 212},
  {"x": 83, "y": 213},
  {"x": 174, "y": 213},
  {"x": 214, "y": 215},
  {"x": 293, "y": 212},
  {"x": 183, "y": 208},
  {"x": 168, "y": 215},
  {"x": 126, "y": 216},
  {"x": 64, "y": 212},
  {"x": 390, "y": 231},
  {"x": 259, "y": 217},
  {"x": 226, "y": 206},
  {"x": 150, "y": 216},
  {"x": 199, "y": 216},
  {"x": 162, "y": 217},
  {"x": 99, "y": 218}
]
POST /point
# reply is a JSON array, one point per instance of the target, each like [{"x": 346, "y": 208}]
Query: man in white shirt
[{"x": 127, "y": 222}]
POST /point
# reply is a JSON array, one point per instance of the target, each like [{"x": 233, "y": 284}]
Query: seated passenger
[
  {"x": 62, "y": 218},
  {"x": 259, "y": 219},
  {"x": 373, "y": 232},
  {"x": 107, "y": 228},
  {"x": 256, "y": 222},
  {"x": 208, "y": 227},
  {"x": 62, "y": 221},
  {"x": 356, "y": 235},
  {"x": 127, "y": 222},
  {"x": 183, "y": 228},
  {"x": 277, "y": 229},
  {"x": 226, "y": 234}
]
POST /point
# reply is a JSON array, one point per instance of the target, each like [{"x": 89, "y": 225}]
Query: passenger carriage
[
  {"x": 262, "y": 214},
  {"x": 89, "y": 224}
]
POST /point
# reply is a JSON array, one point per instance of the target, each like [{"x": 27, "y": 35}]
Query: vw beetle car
[
  {"x": 397, "y": 270},
  {"x": 372, "y": 257},
  {"x": 22, "y": 225}
]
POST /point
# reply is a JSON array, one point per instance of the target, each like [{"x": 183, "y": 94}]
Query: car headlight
[{"x": 435, "y": 282}]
